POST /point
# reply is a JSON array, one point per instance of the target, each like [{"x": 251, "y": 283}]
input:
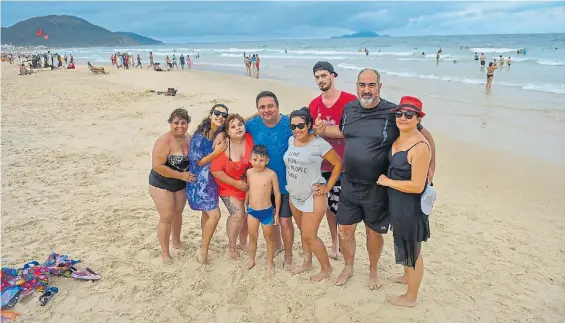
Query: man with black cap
[
  {"x": 369, "y": 129},
  {"x": 327, "y": 108}
]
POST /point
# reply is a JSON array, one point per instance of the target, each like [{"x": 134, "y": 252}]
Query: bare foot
[
  {"x": 306, "y": 266},
  {"x": 251, "y": 264},
  {"x": 271, "y": 269},
  {"x": 346, "y": 273},
  {"x": 402, "y": 300},
  {"x": 243, "y": 247},
  {"x": 323, "y": 274},
  {"x": 233, "y": 253},
  {"x": 400, "y": 279},
  {"x": 202, "y": 258},
  {"x": 288, "y": 263},
  {"x": 374, "y": 281},
  {"x": 166, "y": 258},
  {"x": 177, "y": 245}
]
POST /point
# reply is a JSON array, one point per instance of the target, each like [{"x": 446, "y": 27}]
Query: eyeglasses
[
  {"x": 218, "y": 113},
  {"x": 408, "y": 114},
  {"x": 299, "y": 126}
]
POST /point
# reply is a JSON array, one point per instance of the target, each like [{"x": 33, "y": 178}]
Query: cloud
[{"x": 201, "y": 21}]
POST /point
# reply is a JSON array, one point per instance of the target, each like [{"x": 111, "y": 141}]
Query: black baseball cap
[{"x": 324, "y": 66}]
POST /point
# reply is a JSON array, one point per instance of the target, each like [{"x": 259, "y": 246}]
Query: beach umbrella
[{"x": 39, "y": 32}]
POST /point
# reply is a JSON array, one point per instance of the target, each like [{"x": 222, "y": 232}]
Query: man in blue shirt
[{"x": 272, "y": 129}]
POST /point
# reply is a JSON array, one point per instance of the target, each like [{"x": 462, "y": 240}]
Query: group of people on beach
[
  {"x": 348, "y": 158},
  {"x": 252, "y": 64},
  {"x": 30, "y": 62},
  {"x": 125, "y": 60}
]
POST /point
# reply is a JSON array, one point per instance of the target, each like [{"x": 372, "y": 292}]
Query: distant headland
[
  {"x": 68, "y": 31},
  {"x": 362, "y": 34}
]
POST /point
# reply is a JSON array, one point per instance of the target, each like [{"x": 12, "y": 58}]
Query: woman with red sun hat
[{"x": 406, "y": 180}]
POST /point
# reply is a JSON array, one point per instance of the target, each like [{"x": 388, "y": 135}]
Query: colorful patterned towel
[{"x": 33, "y": 277}]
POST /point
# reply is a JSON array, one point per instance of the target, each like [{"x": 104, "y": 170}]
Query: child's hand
[{"x": 276, "y": 219}]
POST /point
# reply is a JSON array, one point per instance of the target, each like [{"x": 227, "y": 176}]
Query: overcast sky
[{"x": 205, "y": 21}]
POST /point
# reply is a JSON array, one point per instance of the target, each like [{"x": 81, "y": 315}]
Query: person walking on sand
[
  {"x": 188, "y": 62},
  {"x": 405, "y": 181},
  {"x": 272, "y": 129},
  {"x": 151, "y": 61},
  {"x": 369, "y": 129},
  {"x": 257, "y": 62},
  {"x": 168, "y": 177},
  {"x": 328, "y": 108},
  {"x": 263, "y": 183},
  {"x": 247, "y": 63},
  {"x": 308, "y": 189},
  {"x": 202, "y": 194},
  {"x": 181, "y": 58},
  {"x": 139, "y": 62},
  {"x": 490, "y": 73},
  {"x": 229, "y": 169}
]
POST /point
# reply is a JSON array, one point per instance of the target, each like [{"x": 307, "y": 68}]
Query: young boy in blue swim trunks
[{"x": 263, "y": 183}]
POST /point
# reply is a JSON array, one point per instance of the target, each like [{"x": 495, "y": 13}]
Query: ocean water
[{"x": 542, "y": 69}]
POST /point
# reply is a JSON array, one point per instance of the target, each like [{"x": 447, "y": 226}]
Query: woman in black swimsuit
[
  {"x": 490, "y": 73},
  {"x": 168, "y": 177},
  {"x": 406, "y": 181}
]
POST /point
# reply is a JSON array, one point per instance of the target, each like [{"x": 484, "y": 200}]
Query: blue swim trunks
[{"x": 266, "y": 216}]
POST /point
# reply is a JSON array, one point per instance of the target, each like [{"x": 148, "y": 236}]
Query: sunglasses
[
  {"x": 299, "y": 126},
  {"x": 408, "y": 114},
  {"x": 218, "y": 113}
]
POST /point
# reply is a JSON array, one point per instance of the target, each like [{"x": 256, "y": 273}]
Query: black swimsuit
[{"x": 175, "y": 162}]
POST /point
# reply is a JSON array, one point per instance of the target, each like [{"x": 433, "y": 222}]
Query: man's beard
[
  {"x": 369, "y": 103},
  {"x": 327, "y": 87}
]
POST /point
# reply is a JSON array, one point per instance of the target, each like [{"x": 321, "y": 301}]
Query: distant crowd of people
[{"x": 125, "y": 60}]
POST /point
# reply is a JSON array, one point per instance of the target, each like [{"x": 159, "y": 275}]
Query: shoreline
[
  {"x": 504, "y": 119},
  {"x": 91, "y": 136}
]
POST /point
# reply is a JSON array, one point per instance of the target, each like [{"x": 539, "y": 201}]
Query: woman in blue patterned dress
[{"x": 202, "y": 194}]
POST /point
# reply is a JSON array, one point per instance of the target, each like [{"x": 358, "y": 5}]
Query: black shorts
[
  {"x": 482, "y": 63},
  {"x": 333, "y": 194},
  {"x": 285, "y": 211},
  {"x": 363, "y": 202}
]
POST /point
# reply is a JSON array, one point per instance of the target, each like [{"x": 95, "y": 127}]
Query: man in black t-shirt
[{"x": 369, "y": 128}]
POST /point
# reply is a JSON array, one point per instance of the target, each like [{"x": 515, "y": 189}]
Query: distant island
[
  {"x": 362, "y": 34},
  {"x": 68, "y": 31}
]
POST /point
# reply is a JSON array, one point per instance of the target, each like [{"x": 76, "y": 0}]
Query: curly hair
[
  {"x": 206, "y": 124},
  {"x": 180, "y": 113}
]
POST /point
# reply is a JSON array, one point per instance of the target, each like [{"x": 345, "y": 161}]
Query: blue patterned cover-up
[{"x": 202, "y": 194}]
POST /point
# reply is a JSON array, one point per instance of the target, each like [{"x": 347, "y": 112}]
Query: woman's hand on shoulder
[{"x": 221, "y": 147}]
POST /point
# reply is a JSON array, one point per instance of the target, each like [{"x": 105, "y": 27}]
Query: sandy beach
[{"x": 75, "y": 159}]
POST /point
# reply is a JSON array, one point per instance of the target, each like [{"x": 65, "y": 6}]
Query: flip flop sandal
[
  {"x": 15, "y": 299},
  {"x": 87, "y": 274},
  {"x": 46, "y": 297}
]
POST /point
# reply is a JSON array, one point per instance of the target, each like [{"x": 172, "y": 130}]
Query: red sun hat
[{"x": 410, "y": 103}]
